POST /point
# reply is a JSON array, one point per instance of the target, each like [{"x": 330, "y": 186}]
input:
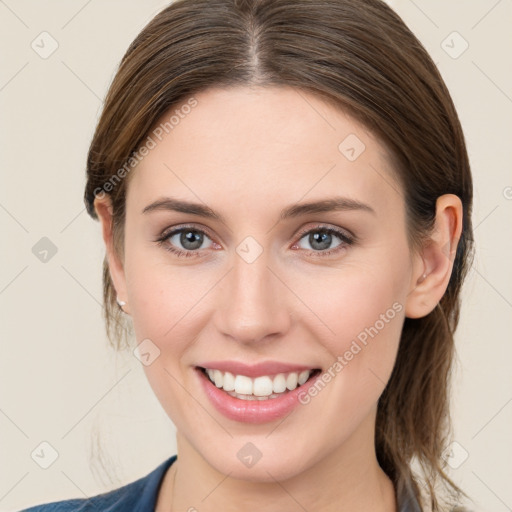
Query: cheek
[
  {"x": 357, "y": 313},
  {"x": 165, "y": 303},
  {"x": 363, "y": 321},
  {"x": 162, "y": 296},
  {"x": 364, "y": 315},
  {"x": 353, "y": 297}
]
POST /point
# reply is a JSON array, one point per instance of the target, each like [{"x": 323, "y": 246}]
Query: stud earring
[{"x": 121, "y": 303}]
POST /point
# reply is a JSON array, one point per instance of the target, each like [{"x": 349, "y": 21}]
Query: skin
[{"x": 247, "y": 153}]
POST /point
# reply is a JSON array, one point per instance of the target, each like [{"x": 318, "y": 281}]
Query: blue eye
[
  {"x": 191, "y": 240},
  {"x": 321, "y": 239}
]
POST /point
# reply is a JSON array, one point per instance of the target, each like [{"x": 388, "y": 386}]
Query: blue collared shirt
[{"x": 141, "y": 496}]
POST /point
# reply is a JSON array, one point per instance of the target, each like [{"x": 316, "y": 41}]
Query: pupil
[
  {"x": 191, "y": 240},
  {"x": 320, "y": 240}
]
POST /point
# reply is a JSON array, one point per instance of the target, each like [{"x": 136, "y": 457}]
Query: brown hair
[{"x": 359, "y": 56}]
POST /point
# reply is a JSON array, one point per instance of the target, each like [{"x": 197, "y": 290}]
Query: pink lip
[
  {"x": 253, "y": 411},
  {"x": 255, "y": 370}
]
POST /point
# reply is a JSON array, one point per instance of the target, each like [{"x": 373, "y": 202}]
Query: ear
[
  {"x": 433, "y": 265},
  {"x": 103, "y": 207}
]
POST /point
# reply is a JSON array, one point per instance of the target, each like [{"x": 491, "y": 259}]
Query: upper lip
[{"x": 255, "y": 370}]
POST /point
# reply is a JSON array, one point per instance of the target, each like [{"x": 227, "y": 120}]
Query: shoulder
[
  {"x": 138, "y": 495},
  {"x": 74, "y": 505}
]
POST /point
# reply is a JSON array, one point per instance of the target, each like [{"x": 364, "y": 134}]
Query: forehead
[{"x": 248, "y": 145}]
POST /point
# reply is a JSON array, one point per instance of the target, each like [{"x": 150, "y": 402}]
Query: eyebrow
[{"x": 326, "y": 205}]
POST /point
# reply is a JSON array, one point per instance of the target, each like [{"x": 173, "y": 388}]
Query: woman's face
[{"x": 261, "y": 280}]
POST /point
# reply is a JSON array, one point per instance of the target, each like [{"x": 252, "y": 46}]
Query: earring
[{"x": 121, "y": 303}]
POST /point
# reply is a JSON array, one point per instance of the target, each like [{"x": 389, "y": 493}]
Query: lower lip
[{"x": 253, "y": 411}]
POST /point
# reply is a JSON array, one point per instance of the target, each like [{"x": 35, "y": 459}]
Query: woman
[{"x": 285, "y": 198}]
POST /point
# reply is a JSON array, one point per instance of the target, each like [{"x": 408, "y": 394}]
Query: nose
[{"x": 252, "y": 305}]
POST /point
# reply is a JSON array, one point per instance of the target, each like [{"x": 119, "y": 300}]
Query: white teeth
[
  {"x": 229, "y": 382},
  {"x": 252, "y": 397},
  {"x": 279, "y": 383},
  {"x": 243, "y": 385},
  {"x": 259, "y": 388},
  {"x": 291, "y": 381},
  {"x": 217, "y": 378},
  {"x": 262, "y": 386},
  {"x": 303, "y": 377}
]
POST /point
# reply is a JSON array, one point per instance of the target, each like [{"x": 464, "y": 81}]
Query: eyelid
[
  {"x": 343, "y": 232},
  {"x": 345, "y": 235},
  {"x": 180, "y": 227},
  {"x": 310, "y": 227}
]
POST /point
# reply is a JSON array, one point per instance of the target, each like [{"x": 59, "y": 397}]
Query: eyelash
[{"x": 346, "y": 240}]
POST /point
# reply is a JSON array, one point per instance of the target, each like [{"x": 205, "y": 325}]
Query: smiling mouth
[{"x": 259, "y": 388}]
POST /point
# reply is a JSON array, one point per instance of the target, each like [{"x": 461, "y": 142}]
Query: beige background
[{"x": 61, "y": 384}]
